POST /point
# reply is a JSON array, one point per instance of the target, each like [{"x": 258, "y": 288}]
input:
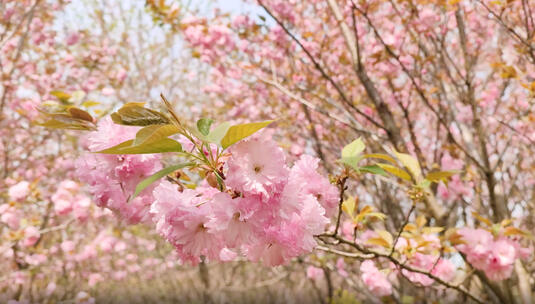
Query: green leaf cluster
[
  {"x": 155, "y": 133},
  {"x": 71, "y": 118},
  {"x": 403, "y": 166},
  {"x": 134, "y": 114}
]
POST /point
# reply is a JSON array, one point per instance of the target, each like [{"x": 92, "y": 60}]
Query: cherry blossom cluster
[
  {"x": 269, "y": 212},
  {"x": 266, "y": 211},
  {"x": 424, "y": 258},
  {"x": 113, "y": 178},
  {"x": 495, "y": 255},
  {"x": 68, "y": 198},
  {"x": 429, "y": 261},
  {"x": 9, "y": 214},
  {"x": 206, "y": 40},
  {"x": 376, "y": 281}
]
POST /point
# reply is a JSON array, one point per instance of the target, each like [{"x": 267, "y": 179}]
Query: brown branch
[
  {"x": 498, "y": 212},
  {"x": 313, "y": 107},
  {"x": 342, "y": 186},
  {"x": 329, "y": 283},
  {"x": 401, "y": 229},
  {"x": 22, "y": 42},
  {"x": 419, "y": 90},
  {"x": 316, "y": 138},
  {"x": 320, "y": 69},
  {"x": 402, "y": 265},
  {"x": 513, "y": 33}
]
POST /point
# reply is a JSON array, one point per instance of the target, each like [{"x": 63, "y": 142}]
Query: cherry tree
[
  {"x": 383, "y": 145},
  {"x": 441, "y": 95},
  {"x": 56, "y": 245}
]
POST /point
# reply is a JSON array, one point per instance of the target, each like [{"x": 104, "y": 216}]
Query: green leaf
[
  {"x": 52, "y": 107},
  {"x": 354, "y": 148},
  {"x": 396, "y": 171},
  {"x": 380, "y": 156},
  {"x": 438, "y": 176},
  {"x": 156, "y": 176},
  {"x": 385, "y": 235},
  {"x": 134, "y": 114},
  {"x": 373, "y": 169},
  {"x": 160, "y": 146},
  {"x": 70, "y": 119},
  {"x": 218, "y": 133},
  {"x": 348, "y": 206},
  {"x": 424, "y": 184},
  {"x": 410, "y": 163},
  {"x": 377, "y": 215},
  {"x": 203, "y": 125},
  {"x": 239, "y": 132},
  {"x": 90, "y": 103},
  {"x": 61, "y": 96},
  {"x": 351, "y": 153},
  {"x": 154, "y": 133},
  {"x": 62, "y": 121},
  {"x": 77, "y": 96},
  {"x": 379, "y": 241},
  {"x": 80, "y": 114},
  {"x": 405, "y": 299},
  {"x": 215, "y": 135}
]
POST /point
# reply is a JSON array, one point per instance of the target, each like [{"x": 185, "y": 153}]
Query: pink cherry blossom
[
  {"x": 83, "y": 297},
  {"x": 182, "y": 218},
  {"x": 444, "y": 269},
  {"x": 230, "y": 218},
  {"x": 341, "y": 267},
  {"x": 68, "y": 246},
  {"x": 314, "y": 273},
  {"x": 31, "y": 235},
  {"x": 10, "y": 216},
  {"x": 477, "y": 247},
  {"x": 494, "y": 255},
  {"x": 500, "y": 260},
  {"x": 108, "y": 91},
  {"x": 375, "y": 280},
  {"x": 305, "y": 179},
  {"x": 19, "y": 191},
  {"x": 72, "y": 38},
  {"x": 50, "y": 288},
  {"x": 94, "y": 279},
  {"x": 227, "y": 255},
  {"x": 423, "y": 262},
  {"x": 256, "y": 166},
  {"x": 113, "y": 178}
]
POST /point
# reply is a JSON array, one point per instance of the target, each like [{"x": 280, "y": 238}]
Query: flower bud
[{"x": 211, "y": 179}]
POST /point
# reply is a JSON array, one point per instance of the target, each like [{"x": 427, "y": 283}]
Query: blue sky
[
  {"x": 231, "y": 5},
  {"x": 239, "y": 6}
]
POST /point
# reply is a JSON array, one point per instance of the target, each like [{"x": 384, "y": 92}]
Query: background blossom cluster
[{"x": 494, "y": 255}]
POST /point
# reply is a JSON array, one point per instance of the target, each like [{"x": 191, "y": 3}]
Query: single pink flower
[
  {"x": 444, "y": 269},
  {"x": 19, "y": 191},
  {"x": 256, "y": 166},
  {"x": 229, "y": 219},
  {"x": 305, "y": 179},
  {"x": 31, "y": 235},
  {"x": 375, "y": 280},
  {"x": 72, "y": 38},
  {"x": 10, "y": 216},
  {"x": 314, "y": 273},
  {"x": 501, "y": 260}
]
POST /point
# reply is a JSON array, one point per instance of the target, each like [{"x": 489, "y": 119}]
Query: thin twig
[
  {"x": 402, "y": 228},
  {"x": 343, "y": 188}
]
